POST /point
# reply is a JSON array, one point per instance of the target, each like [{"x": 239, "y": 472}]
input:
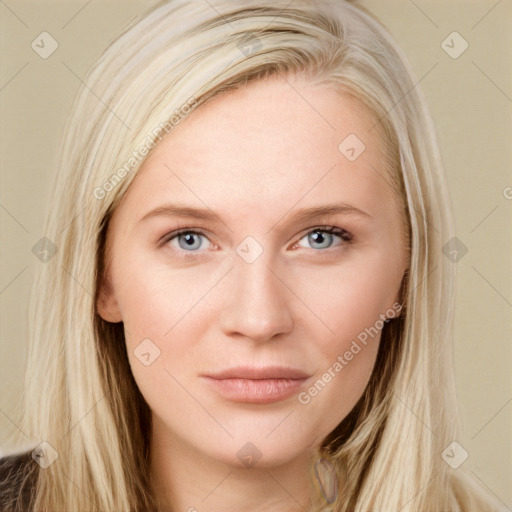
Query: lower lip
[{"x": 256, "y": 391}]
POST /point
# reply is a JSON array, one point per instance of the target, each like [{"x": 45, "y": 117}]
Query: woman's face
[{"x": 254, "y": 332}]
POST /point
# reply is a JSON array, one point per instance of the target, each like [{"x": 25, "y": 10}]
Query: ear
[{"x": 106, "y": 302}]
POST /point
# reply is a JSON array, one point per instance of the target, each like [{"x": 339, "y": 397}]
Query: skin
[{"x": 254, "y": 157}]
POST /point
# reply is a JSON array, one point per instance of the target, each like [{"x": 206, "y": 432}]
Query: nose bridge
[{"x": 257, "y": 302}]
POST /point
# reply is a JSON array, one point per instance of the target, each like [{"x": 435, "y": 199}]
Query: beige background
[{"x": 471, "y": 101}]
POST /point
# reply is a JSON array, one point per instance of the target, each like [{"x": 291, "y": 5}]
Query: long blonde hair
[{"x": 80, "y": 394}]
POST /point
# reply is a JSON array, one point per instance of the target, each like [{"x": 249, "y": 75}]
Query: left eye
[{"x": 324, "y": 238}]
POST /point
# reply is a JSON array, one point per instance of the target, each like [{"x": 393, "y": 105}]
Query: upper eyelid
[{"x": 324, "y": 227}]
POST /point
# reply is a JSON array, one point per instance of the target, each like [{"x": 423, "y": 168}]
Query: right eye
[{"x": 186, "y": 240}]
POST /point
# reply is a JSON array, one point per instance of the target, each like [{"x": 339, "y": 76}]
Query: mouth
[{"x": 257, "y": 385}]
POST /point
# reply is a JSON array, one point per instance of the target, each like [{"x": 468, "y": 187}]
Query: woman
[{"x": 248, "y": 307}]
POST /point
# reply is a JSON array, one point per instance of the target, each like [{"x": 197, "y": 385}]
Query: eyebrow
[{"x": 303, "y": 215}]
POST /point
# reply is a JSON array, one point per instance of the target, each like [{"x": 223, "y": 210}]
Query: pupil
[{"x": 318, "y": 237}]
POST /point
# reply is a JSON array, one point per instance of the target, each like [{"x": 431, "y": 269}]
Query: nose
[{"x": 257, "y": 302}]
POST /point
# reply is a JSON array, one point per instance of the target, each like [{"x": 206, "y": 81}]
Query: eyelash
[{"x": 345, "y": 236}]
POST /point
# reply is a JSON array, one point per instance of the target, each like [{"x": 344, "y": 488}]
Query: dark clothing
[{"x": 18, "y": 478}]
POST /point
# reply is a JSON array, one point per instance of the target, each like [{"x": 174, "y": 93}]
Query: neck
[{"x": 186, "y": 479}]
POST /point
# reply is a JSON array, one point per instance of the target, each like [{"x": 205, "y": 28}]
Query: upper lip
[{"x": 259, "y": 373}]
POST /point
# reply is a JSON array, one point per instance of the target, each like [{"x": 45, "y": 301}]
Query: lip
[{"x": 257, "y": 385}]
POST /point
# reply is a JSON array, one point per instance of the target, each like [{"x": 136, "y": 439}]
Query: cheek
[
  {"x": 346, "y": 358},
  {"x": 337, "y": 387},
  {"x": 154, "y": 299},
  {"x": 164, "y": 321},
  {"x": 352, "y": 302},
  {"x": 349, "y": 298}
]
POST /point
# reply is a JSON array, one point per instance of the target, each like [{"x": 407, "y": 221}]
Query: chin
[{"x": 257, "y": 452}]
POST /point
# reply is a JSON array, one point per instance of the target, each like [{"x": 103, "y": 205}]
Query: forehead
[{"x": 276, "y": 142}]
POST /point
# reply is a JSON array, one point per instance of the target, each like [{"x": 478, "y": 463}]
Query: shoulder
[
  {"x": 471, "y": 495},
  {"x": 18, "y": 478}
]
